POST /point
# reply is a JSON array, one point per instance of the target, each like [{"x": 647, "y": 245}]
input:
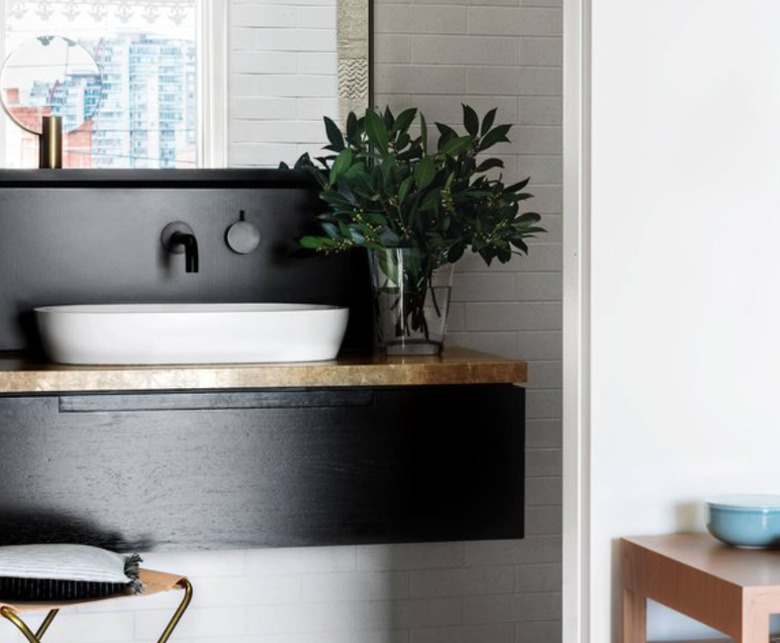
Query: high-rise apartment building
[
  {"x": 143, "y": 110},
  {"x": 148, "y": 114}
]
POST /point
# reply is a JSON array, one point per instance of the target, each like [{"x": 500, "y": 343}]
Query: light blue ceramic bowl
[{"x": 745, "y": 520}]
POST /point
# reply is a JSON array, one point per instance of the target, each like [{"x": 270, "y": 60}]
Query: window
[{"x": 148, "y": 109}]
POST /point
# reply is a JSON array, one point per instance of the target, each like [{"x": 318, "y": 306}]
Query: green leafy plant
[{"x": 385, "y": 188}]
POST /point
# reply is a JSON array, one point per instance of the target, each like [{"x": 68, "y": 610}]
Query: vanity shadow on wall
[{"x": 164, "y": 469}]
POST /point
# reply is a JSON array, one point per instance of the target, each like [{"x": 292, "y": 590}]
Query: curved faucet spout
[
  {"x": 190, "y": 243},
  {"x": 179, "y": 238}
]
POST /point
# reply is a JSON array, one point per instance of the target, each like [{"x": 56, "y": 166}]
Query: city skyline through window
[{"x": 146, "y": 52}]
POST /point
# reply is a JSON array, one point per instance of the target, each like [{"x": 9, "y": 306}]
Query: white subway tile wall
[
  {"x": 434, "y": 54},
  {"x": 283, "y": 79}
]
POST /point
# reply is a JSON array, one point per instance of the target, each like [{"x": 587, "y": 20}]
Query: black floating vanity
[{"x": 364, "y": 449}]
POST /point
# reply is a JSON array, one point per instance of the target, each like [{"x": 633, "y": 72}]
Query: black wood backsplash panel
[
  {"x": 399, "y": 465},
  {"x": 185, "y": 179},
  {"x": 94, "y": 237}
]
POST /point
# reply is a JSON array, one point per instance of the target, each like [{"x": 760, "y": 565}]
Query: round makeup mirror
[{"x": 50, "y": 76}]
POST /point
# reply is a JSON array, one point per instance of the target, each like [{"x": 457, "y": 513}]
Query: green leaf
[
  {"x": 504, "y": 255},
  {"x": 389, "y": 119},
  {"x": 424, "y": 133},
  {"x": 312, "y": 243},
  {"x": 330, "y": 229},
  {"x": 431, "y": 200},
  {"x": 489, "y": 164},
  {"x": 303, "y": 161},
  {"x": 365, "y": 230},
  {"x": 456, "y": 251},
  {"x": 376, "y": 218},
  {"x": 355, "y": 170},
  {"x": 487, "y": 122},
  {"x": 530, "y": 217},
  {"x": 338, "y": 200},
  {"x": 356, "y": 236},
  {"x": 389, "y": 238},
  {"x": 340, "y": 165},
  {"x": 496, "y": 135},
  {"x": 403, "y": 140},
  {"x": 520, "y": 245},
  {"x": 364, "y": 186},
  {"x": 445, "y": 129},
  {"x": 334, "y": 134},
  {"x": 456, "y": 146},
  {"x": 345, "y": 192},
  {"x": 413, "y": 153},
  {"x": 404, "y": 120},
  {"x": 479, "y": 193},
  {"x": 404, "y": 188},
  {"x": 424, "y": 172},
  {"x": 376, "y": 130},
  {"x": 446, "y": 134},
  {"x": 387, "y": 168},
  {"x": 470, "y": 120},
  {"x": 516, "y": 187},
  {"x": 352, "y": 127}
]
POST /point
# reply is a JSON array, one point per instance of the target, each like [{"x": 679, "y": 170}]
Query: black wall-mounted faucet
[{"x": 178, "y": 238}]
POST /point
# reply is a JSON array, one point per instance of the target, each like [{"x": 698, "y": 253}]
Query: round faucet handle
[{"x": 243, "y": 236}]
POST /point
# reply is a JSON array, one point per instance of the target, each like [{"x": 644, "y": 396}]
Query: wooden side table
[{"x": 732, "y": 590}]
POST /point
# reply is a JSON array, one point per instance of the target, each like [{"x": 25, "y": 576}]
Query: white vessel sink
[{"x": 191, "y": 333}]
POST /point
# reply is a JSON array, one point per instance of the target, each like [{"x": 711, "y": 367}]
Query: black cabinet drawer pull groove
[{"x": 283, "y": 399}]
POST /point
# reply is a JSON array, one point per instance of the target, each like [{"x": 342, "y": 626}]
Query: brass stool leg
[
  {"x": 46, "y": 622},
  {"x": 185, "y": 603},
  {"x": 36, "y": 638},
  {"x": 22, "y": 626}
]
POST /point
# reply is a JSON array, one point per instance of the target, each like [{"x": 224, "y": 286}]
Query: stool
[
  {"x": 154, "y": 583},
  {"x": 732, "y": 590}
]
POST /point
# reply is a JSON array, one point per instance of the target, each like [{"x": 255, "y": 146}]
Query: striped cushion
[{"x": 65, "y": 572}]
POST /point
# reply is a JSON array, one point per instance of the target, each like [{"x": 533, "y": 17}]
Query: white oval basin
[{"x": 191, "y": 333}]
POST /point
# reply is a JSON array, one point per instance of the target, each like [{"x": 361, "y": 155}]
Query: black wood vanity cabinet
[
  {"x": 208, "y": 457},
  {"x": 269, "y": 467}
]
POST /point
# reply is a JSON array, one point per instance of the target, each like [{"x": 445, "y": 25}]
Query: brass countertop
[{"x": 454, "y": 366}]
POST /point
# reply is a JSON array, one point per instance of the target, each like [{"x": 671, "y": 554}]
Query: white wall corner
[{"x": 576, "y": 323}]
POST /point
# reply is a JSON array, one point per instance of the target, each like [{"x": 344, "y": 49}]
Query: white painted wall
[{"x": 685, "y": 270}]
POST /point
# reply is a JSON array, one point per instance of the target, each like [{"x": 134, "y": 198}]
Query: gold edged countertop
[{"x": 453, "y": 366}]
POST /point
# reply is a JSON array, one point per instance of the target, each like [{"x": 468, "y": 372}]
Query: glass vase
[{"x": 411, "y": 299}]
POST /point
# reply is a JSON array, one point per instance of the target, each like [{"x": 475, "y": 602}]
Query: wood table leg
[
  {"x": 755, "y": 630},
  {"x": 756, "y": 611},
  {"x": 634, "y": 617}
]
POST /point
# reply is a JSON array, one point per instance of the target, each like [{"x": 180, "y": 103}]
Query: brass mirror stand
[{"x": 50, "y": 143}]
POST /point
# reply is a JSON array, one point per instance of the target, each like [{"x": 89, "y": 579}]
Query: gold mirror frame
[{"x": 354, "y": 44}]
